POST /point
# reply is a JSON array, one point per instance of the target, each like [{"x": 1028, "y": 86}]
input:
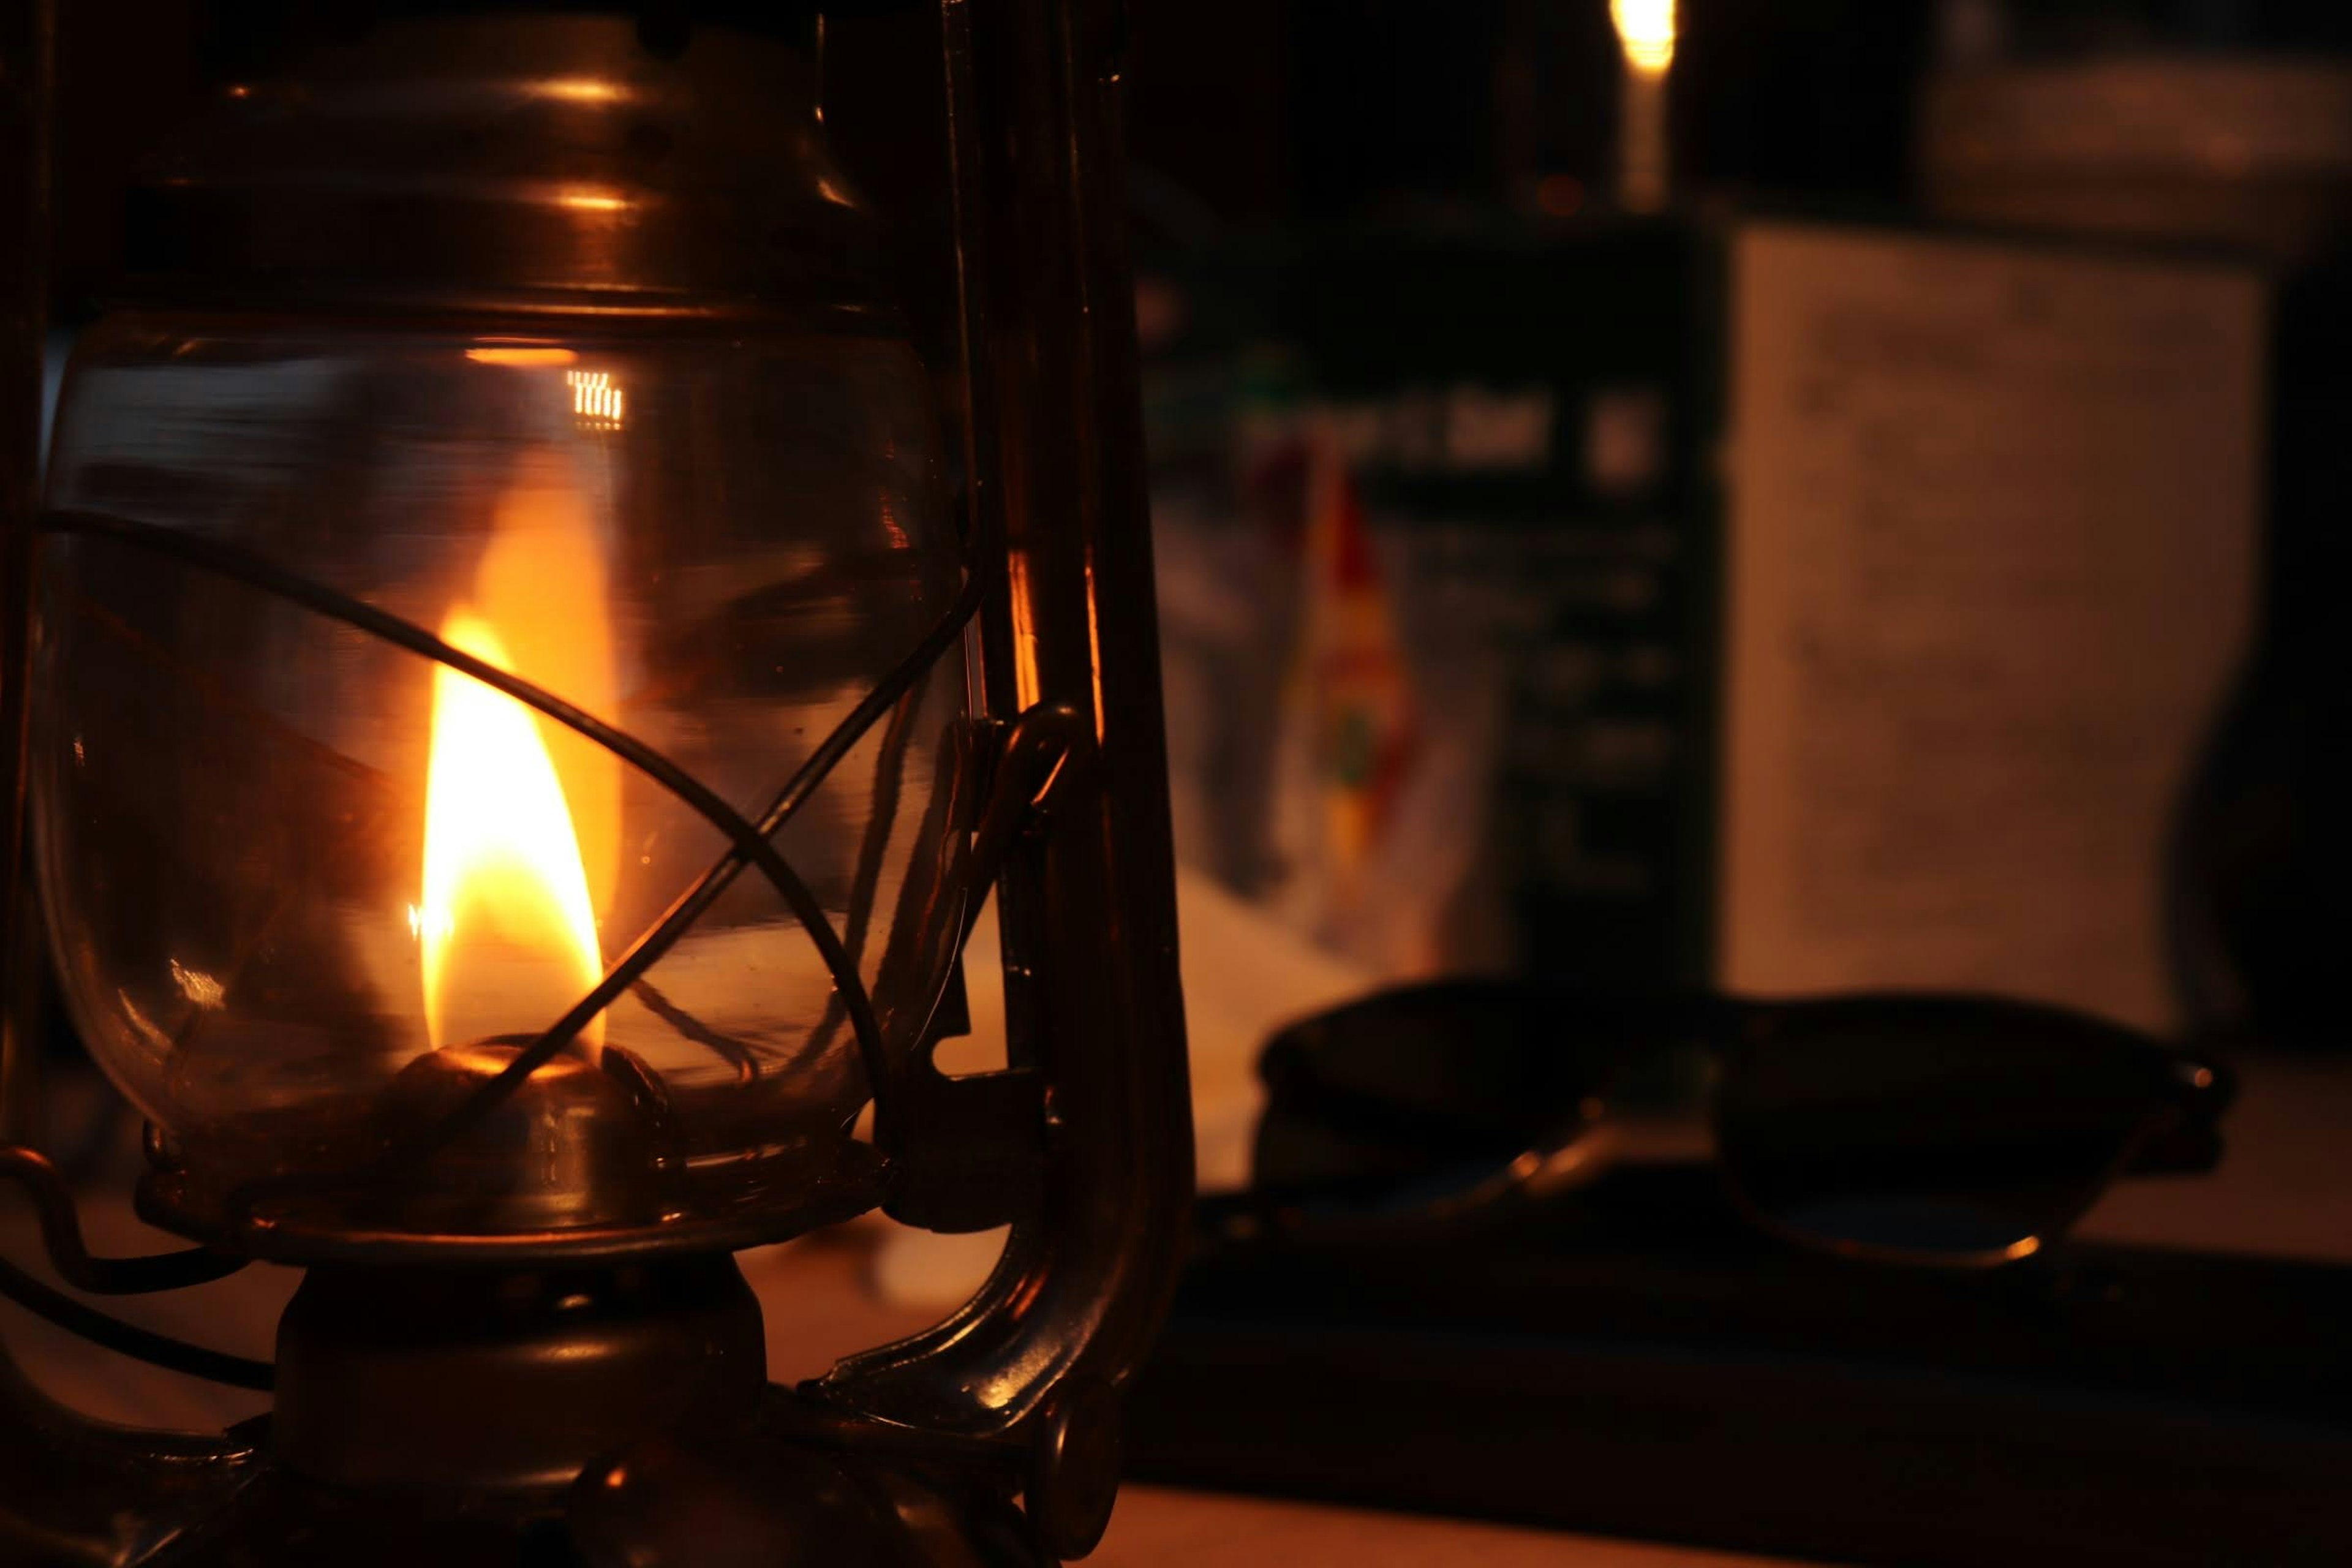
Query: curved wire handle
[
  {"x": 110, "y": 1332},
  {"x": 61, "y": 1237},
  {"x": 748, "y": 845}
]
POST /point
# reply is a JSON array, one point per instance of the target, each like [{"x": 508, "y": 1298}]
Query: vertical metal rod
[
  {"x": 1087, "y": 910},
  {"x": 28, "y": 59}
]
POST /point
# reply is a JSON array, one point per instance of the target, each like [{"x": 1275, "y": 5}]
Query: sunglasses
[{"x": 1953, "y": 1130}]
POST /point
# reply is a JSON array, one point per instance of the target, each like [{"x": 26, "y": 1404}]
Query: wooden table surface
[{"x": 2284, "y": 1188}]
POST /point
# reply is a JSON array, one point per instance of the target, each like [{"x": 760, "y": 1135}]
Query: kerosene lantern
[{"x": 533, "y": 664}]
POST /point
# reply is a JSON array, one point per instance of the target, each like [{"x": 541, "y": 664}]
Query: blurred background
[
  {"x": 1783, "y": 496},
  {"x": 1885, "y": 540}
]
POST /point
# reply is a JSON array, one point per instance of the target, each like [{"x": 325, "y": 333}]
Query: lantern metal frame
[{"x": 1082, "y": 1142}]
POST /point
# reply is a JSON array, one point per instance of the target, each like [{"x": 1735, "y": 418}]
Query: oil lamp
[{"x": 534, "y": 652}]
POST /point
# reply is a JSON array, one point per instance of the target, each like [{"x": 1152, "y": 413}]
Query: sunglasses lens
[
  {"x": 1931, "y": 1126},
  {"x": 1406, "y": 1093}
]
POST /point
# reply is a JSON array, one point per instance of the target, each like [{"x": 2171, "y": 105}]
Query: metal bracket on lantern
[{"x": 970, "y": 1150}]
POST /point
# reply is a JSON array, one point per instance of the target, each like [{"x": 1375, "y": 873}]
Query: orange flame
[{"x": 522, "y": 816}]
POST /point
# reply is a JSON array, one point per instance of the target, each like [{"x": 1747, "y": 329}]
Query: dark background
[{"x": 1246, "y": 112}]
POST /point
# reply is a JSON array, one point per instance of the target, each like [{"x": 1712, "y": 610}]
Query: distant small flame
[{"x": 1645, "y": 29}]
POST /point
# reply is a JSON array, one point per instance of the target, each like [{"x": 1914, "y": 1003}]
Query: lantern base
[
  {"x": 731, "y": 1500},
  {"x": 488, "y": 1379},
  {"x": 614, "y": 1416}
]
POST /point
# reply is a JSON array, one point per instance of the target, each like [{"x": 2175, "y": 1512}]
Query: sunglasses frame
[{"x": 2177, "y": 1133}]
